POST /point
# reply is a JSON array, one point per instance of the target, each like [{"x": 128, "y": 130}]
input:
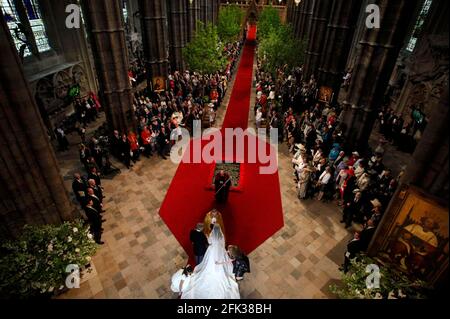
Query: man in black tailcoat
[
  {"x": 199, "y": 242},
  {"x": 79, "y": 188},
  {"x": 95, "y": 221},
  {"x": 353, "y": 248}
]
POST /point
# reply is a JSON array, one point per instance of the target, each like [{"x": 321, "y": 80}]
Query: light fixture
[
  {"x": 191, "y": 1},
  {"x": 297, "y": 2}
]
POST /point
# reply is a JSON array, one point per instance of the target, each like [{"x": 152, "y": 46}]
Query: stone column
[
  {"x": 306, "y": 10},
  {"x": 339, "y": 36},
  {"x": 178, "y": 30},
  {"x": 155, "y": 36},
  {"x": 357, "y": 34},
  {"x": 290, "y": 6},
  {"x": 32, "y": 190},
  {"x": 105, "y": 27},
  {"x": 316, "y": 37},
  {"x": 215, "y": 10},
  {"x": 295, "y": 17},
  {"x": 192, "y": 17},
  {"x": 204, "y": 11},
  {"x": 429, "y": 166},
  {"x": 377, "y": 53}
]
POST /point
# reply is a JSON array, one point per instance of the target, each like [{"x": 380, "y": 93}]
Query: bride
[{"x": 213, "y": 278}]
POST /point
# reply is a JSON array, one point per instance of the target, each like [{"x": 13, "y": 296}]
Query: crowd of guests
[
  {"x": 137, "y": 72},
  {"x": 159, "y": 114},
  {"x": 324, "y": 169},
  {"x": 189, "y": 97},
  {"x": 400, "y": 132},
  {"x": 88, "y": 192},
  {"x": 86, "y": 111}
]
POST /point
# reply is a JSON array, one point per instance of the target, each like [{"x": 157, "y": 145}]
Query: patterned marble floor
[{"x": 140, "y": 253}]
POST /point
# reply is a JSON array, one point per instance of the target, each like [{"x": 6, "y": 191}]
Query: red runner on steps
[{"x": 252, "y": 214}]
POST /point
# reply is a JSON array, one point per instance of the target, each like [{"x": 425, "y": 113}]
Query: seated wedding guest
[
  {"x": 241, "y": 263},
  {"x": 199, "y": 242},
  {"x": 180, "y": 280}
]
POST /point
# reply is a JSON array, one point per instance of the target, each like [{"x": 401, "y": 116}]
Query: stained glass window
[
  {"x": 13, "y": 21},
  {"x": 419, "y": 25},
  {"x": 37, "y": 25},
  {"x": 14, "y": 24},
  {"x": 124, "y": 10}
]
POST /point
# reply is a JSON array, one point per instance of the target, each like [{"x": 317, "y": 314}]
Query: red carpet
[
  {"x": 253, "y": 213},
  {"x": 238, "y": 106}
]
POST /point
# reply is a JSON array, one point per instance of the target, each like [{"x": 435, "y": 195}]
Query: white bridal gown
[{"x": 210, "y": 280}]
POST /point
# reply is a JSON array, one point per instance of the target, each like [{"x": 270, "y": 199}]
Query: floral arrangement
[
  {"x": 392, "y": 283},
  {"x": 35, "y": 264}
]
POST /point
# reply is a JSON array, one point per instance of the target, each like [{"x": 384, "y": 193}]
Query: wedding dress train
[{"x": 213, "y": 278}]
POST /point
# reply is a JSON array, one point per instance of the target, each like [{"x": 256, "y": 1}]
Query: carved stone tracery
[{"x": 427, "y": 75}]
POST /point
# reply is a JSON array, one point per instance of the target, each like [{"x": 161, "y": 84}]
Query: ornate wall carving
[{"x": 427, "y": 75}]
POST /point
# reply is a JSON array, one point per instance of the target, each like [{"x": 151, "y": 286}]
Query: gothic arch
[
  {"x": 45, "y": 91},
  {"x": 62, "y": 81},
  {"x": 79, "y": 77}
]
